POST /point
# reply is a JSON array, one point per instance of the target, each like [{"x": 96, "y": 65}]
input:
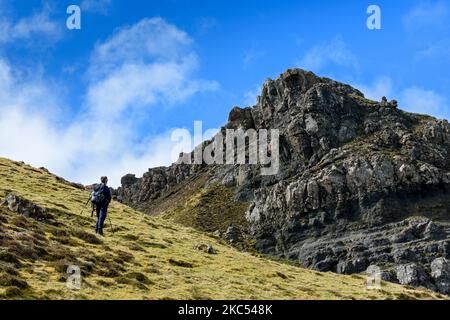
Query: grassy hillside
[{"x": 146, "y": 257}]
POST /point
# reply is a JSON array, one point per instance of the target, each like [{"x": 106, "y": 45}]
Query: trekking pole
[
  {"x": 110, "y": 223},
  {"x": 81, "y": 213}
]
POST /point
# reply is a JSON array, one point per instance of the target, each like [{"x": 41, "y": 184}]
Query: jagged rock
[
  {"x": 359, "y": 180},
  {"x": 26, "y": 207}
]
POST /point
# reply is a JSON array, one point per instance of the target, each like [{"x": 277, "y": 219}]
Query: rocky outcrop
[
  {"x": 26, "y": 208},
  {"x": 232, "y": 235},
  {"x": 140, "y": 192},
  {"x": 360, "y": 183}
]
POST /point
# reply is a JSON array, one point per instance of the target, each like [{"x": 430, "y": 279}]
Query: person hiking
[{"x": 103, "y": 192}]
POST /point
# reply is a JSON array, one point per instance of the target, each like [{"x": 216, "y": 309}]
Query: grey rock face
[
  {"x": 413, "y": 275},
  {"x": 360, "y": 182}
]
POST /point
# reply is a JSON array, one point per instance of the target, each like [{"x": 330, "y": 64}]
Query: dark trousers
[{"x": 102, "y": 212}]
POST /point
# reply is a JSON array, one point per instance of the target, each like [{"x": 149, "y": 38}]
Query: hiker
[{"x": 102, "y": 207}]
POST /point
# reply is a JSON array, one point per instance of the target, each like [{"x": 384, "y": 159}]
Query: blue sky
[{"x": 104, "y": 100}]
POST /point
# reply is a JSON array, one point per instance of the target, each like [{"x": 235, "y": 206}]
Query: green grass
[{"x": 146, "y": 258}]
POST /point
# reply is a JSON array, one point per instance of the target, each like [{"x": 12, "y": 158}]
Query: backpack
[{"x": 97, "y": 196}]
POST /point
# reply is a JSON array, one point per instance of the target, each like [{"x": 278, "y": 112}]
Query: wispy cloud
[
  {"x": 205, "y": 24},
  {"x": 251, "y": 56},
  {"x": 334, "y": 52},
  {"x": 38, "y": 24},
  {"x": 427, "y": 14},
  {"x": 439, "y": 49},
  {"x": 428, "y": 29}
]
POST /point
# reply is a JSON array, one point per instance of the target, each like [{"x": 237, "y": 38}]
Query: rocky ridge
[{"x": 361, "y": 182}]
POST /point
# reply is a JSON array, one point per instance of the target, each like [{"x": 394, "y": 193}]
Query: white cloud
[
  {"x": 138, "y": 85},
  {"x": 96, "y": 6},
  {"x": 38, "y": 24},
  {"x": 150, "y": 40},
  {"x": 99, "y": 141},
  {"x": 82, "y": 151},
  {"x": 142, "y": 65},
  {"x": 122, "y": 158},
  {"x": 334, "y": 52}
]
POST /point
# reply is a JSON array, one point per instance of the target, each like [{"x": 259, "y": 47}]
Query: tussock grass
[{"x": 146, "y": 258}]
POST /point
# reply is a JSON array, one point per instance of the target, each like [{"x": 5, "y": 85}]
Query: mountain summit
[{"x": 361, "y": 183}]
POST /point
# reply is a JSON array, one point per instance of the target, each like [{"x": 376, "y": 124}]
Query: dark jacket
[{"x": 107, "y": 194}]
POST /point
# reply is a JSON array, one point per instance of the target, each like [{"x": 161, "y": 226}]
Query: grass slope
[
  {"x": 209, "y": 209},
  {"x": 146, "y": 258}
]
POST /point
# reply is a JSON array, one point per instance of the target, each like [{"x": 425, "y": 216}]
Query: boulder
[{"x": 206, "y": 248}]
